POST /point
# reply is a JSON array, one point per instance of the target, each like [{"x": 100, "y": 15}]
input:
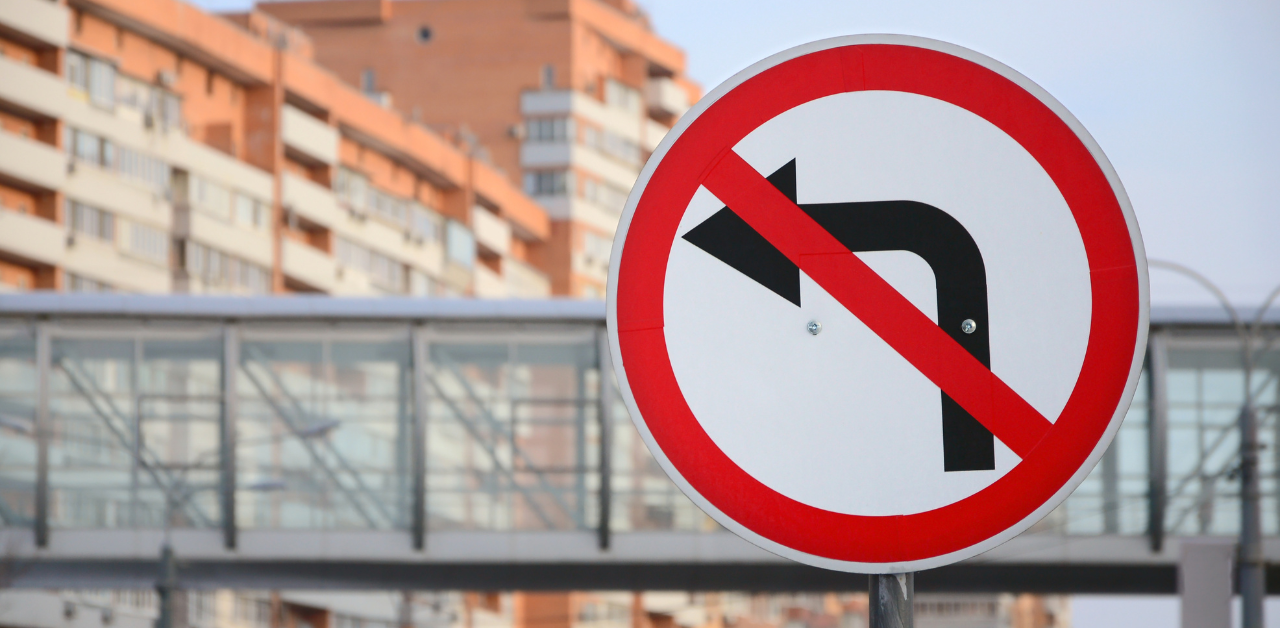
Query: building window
[
  {"x": 604, "y": 195},
  {"x": 618, "y": 95},
  {"x": 460, "y": 245},
  {"x": 597, "y": 249},
  {"x": 389, "y": 208},
  {"x": 147, "y": 242},
  {"x": 548, "y": 76},
  {"x": 76, "y": 283},
  {"x": 88, "y": 148},
  {"x": 426, "y": 224},
  {"x": 210, "y": 198},
  {"x": 420, "y": 285},
  {"x": 146, "y": 170},
  {"x": 78, "y": 71},
  {"x": 218, "y": 269},
  {"x": 150, "y": 103},
  {"x": 368, "y": 81},
  {"x": 548, "y": 182},
  {"x": 130, "y": 164},
  {"x": 95, "y": 77},
  {"x": 250, "y": 212},
  {"x": 384, "y": 272},
  {"x": 550, "y": 129},
  {"x": 91, "y": 221},
  {"x": 424, "y": 34},
  {"x": 352, "y": 188}
]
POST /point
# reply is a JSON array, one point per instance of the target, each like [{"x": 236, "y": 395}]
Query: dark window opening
[{"x": 424, "y": 34}]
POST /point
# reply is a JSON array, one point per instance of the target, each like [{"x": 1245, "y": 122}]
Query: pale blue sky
[{"x": 1182, "y": 96}]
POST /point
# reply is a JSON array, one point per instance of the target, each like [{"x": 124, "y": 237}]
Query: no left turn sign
[{"x": 880, "y": 303}]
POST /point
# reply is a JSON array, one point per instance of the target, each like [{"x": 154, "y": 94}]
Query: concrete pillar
[{"x": 1204, "y": 581}]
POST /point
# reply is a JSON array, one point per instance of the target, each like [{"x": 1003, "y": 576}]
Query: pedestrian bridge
[{"x": 465, "y": 444}]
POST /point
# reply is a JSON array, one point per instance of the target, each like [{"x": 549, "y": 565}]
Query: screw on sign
[{"x": 928, "y": 295}]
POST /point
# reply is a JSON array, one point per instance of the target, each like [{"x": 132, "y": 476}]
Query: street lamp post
[{"x": 1252, "y": 562}]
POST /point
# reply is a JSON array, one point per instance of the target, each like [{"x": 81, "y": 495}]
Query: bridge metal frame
[{"x": 410, "y": 553}]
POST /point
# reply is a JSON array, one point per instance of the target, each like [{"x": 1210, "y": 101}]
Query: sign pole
[{"x": 891, "y": 600}]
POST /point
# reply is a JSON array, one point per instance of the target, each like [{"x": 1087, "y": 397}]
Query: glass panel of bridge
[
  {"x": 134, "y": 434},
  {"x": 513, "y": 430},
  {"x": 323, "y": 430},
  {"x": 1113, "y": 498},
  {"x": 644, "y": 497},
  {"x": 17, "y": 425},
  {"x": 1206, "y": 393}
]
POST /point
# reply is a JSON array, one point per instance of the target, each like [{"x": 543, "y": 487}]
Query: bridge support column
[{"x": 1204, "y": 581}]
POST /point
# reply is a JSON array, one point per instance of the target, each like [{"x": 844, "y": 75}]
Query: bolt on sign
[{"x": 881, "y": 303}]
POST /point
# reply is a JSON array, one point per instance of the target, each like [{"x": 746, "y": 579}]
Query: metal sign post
[
  {"x": 878, "y": 253},
  {"x": 892, "y": 598}
]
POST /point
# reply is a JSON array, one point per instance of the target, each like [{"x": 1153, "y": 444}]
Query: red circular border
[{"x": 1113, "y": 332}]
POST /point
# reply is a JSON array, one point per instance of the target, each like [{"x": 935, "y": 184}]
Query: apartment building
[
  {"x": 147, "y": 146},
  {"x": 568, "y": 97}
]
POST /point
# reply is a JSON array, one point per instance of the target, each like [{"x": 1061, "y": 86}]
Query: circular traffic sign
[{"x": 878, "y": 303}]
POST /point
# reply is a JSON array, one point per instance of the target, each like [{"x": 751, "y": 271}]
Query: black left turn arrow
[{"x": 938, "y": 238}]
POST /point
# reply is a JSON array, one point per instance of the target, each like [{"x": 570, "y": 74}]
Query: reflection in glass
[
  {"x": 323, "y": 434},
  {"x": 134, "y": 432}
]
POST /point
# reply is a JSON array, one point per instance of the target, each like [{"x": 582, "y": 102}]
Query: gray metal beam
[
  {"x": 615, "y": 576},
  {"x": 227, "y": 451},
  {"x": 418, "y": 520},
  {"x": 1157, "y": 437},
  {"x": 606, "y": 436},
  {"x": 43, "y": 428}
]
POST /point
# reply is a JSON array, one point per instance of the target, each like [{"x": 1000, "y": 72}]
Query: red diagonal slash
[{"x": 877, "y": 304}]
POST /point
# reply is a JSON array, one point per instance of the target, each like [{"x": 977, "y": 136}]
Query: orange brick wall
[
  {"x": 18, "y": 52},
  {"x": 17, "y": 125},
  {"x": 17, "y": 276},
  {"x": 541, "y": 610},
  {"x": 482, "y": 54},
  {"x": 17, "y": 200}
]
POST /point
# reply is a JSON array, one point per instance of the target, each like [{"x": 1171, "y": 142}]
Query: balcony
[
  {"x": 219, "y": 166},
  {"x": 311, "y": 201},
  {"x": 38, "y": 20},
  {"x": 563, "y": 154},
  {"x": 653, "y": 134},
  {"x": 31, "y": 163},
  {"x": 353, "y": 282},
  {"x": 488, "y": 284},
  {"x": 580, "y": 210},
  {"x": 246, "y": 243},
  {"x": 665, "y": 97},
  {"x": 308, "y": 265},
  {"x": 104, "y": 189},
  {"x": 31, "y": 237},
  {"x": 28, "y": 87},
  {"x": 551, "y": 102},
  {"x": 524, "y": 281},
  {"x": 102, "y": 261},
  {"x": 309, "y": 136},
  {"x": 492, "y": 232}
]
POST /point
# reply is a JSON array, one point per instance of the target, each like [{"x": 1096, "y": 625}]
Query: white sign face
[{"x": 880, "y": 304}]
